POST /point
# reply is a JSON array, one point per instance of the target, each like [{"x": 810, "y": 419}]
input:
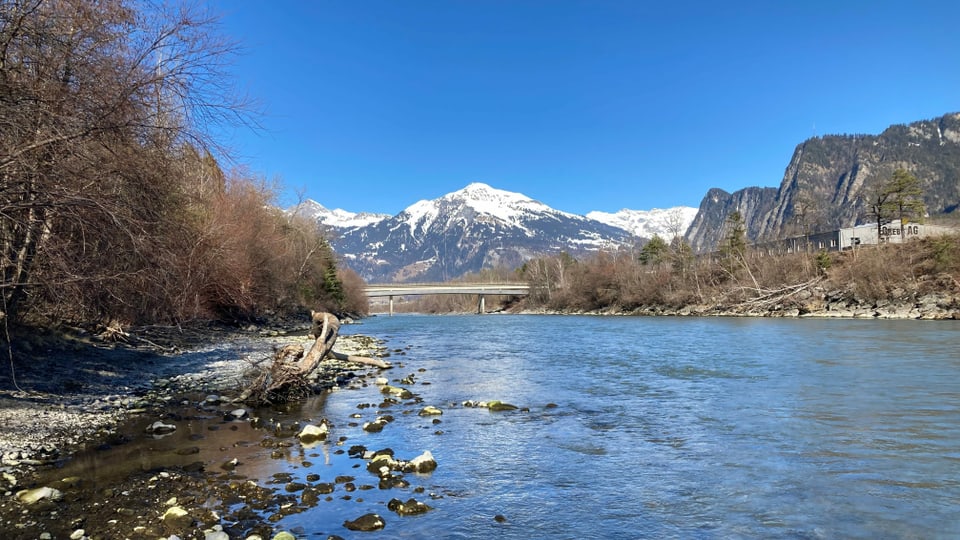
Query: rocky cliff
[{"x": 825, "y": 183}]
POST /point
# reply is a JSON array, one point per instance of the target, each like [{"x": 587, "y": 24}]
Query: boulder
[
  {"x": 376, "y": 426},
  {"x": 423, "y": 463},
  {"x": 410, "y": 508},
  {"x": 401, "y": 393},
  {"x": 311, "y": 433},
  {"x": 159, "y": 428},
  {"x": 497, "y": 405},
  {"x": 176, "y": 519},
  {"x": 31, "y": 496},
  {"x": 236, "y": 414},
  {"x": 430, "y": 410},
  {"x": 366, "y": 522}
]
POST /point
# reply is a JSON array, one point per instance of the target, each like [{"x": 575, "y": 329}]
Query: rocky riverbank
[
  {"x": 937, "y": 301},
  {"x": 65, "y": 393}
]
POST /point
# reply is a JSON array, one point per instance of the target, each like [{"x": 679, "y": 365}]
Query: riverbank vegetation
[
  {"x": 665, "y": 277},
  {"x": 114, "y": 204}
]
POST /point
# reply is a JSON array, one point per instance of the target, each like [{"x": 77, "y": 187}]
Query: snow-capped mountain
[
  {"x": 665, "y": 222},
  {"x": 337, "y": 219},
  {"x": 467, "y": 230}
]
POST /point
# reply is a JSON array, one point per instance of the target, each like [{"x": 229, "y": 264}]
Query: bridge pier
[
  {"x": 391, "y": 306},
  {"x": 481, "y": 306}
]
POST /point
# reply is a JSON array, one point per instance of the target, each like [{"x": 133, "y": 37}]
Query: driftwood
[
  {"x": 376, "y": 362},
  {"x": 289, "y": 375}
]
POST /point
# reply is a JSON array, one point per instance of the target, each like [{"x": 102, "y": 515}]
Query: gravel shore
[{"x": 61, "y": 392}]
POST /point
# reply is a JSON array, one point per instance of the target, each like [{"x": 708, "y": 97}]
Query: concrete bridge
[{"x": 418, "y": 289}]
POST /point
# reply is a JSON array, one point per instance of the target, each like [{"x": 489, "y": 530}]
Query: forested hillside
[{"x": 113, "y": 202}]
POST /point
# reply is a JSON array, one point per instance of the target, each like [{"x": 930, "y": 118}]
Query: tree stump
[{"x": 288, "y": 377}]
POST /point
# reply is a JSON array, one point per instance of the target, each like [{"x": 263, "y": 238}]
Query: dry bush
[
  {"x": 871, "y": 272},
  {"x": 355, "y": 297}
]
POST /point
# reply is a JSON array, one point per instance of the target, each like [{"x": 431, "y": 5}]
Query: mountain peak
[
  {"x": 475, "y": 227},
  {"x": 478, "y": 191},
  {"x": 663, "y": 222},
  {"x": 338, "y": 218}
]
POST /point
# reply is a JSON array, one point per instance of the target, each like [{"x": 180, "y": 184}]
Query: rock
[
  {"x": 497, "y": 405},
  {"x": 376, "y": 426},
  {"x": 423, "y": 463},
  {"x": 430, "y": 410},
  {"x": 284, "y": 535},
  {"x": 215, "y": 535},
  {"x": 9, "y": 480},
  {"x": 366, "y": 522},
  {"x": 382, "y": 381},
  {"x": 80, "y": 533},
  {"x": 236, "y": 414},
  {"x": 230, "y": 465},
  {"x": 410, "y": 508},
  {"x": 31, "y": 496},
  {"x": 176, "y": 519},
  {"x": 401, "y": 393},
  {"x": 309, "y": 497},
  {"x": 159, "y": 428},
  {"x": 293, "y": 487},
  {"x": 311, "y": 433}
]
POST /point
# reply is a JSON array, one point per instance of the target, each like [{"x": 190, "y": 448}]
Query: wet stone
[
  {"x": 324, "y": 488},
  {"x": 310, "y": 497},
  {"x": 366, "y": 522},
  {"x": 295, "y": 486},
  {"x": 410, "y": 508}
]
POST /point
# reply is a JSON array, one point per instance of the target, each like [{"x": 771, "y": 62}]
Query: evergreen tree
[
  {"x": 905, "y": 199},
  {"x": 735, "y": 243},
  {"x": 654, "y": 251}
]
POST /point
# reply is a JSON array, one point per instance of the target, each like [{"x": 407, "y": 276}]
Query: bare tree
[{"x": 98, "y": 102}]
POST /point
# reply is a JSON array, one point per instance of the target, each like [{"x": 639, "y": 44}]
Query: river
[
  {"x": 691, "y": 427},
  {"x": 647, "y": 428}
]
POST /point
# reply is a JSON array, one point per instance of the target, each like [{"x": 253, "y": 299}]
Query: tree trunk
[
  {"x": 288, "y": 377},
  {"x": 326, "y": 338}
]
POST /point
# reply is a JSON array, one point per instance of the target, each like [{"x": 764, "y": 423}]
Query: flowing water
[{"x": 640, "y": 428}]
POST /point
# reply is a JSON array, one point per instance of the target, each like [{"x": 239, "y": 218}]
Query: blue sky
[{"x": 584, "y": 105}]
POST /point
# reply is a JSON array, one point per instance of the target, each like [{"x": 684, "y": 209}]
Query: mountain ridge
[
  {"x": 826, "y": 184},
  {"x": 469, "y": 229}
]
